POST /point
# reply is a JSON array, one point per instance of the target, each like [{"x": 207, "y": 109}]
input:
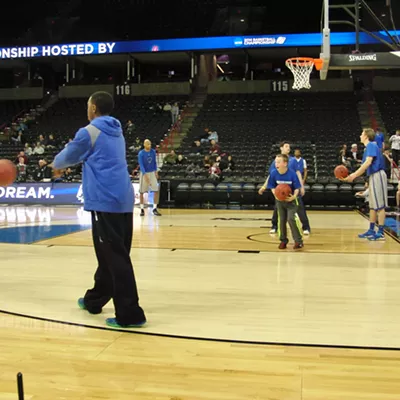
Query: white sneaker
[
  {"x": 306, "y": 232},
  {"x": 273, "y": 230}
]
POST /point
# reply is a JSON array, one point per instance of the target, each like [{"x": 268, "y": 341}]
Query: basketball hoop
[{"x": 301, "y": 68}]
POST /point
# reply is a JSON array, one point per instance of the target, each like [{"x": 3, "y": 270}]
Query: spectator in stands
[
  {"x": 171, "y": 158},
  {"x": 354, "y": 157},
  {"x": 174, "y": 113},
  {"x": 136, "y": 146},
  {"x": 388, "y": 163},
  {"x": 226, "y": 163},
  {"x": 130, "y": 127},
  {"x": 207, "y": 162},
  {"x": 364, "y": 194},
  {"x": 50, "y": 142},
  {"x": 14, "y": 137},
  {"x": 42, "y": 140},
  {"x": 21, "y": 170},
  {"x": 301, "y": 164},
  {"x": 230, "y": 162},
  {"x": 215, "y": 148},
  {"x": 28, "y": 149},
  {"x": 215, "y": 171},
  {"x": 181, "y": 160},
  {"x": 343, "y": 159},
  {"x": 22, "y": 154},
  {"x": 167, "y": 107},
  {"x": 22, "y": 125},
  {"x": 17, "y": 137},
  {"x": 210, "y": 135},
  {"x": 194, "y": 169},
  {"x": 395, "y": 145},
  {"x": 343, "y": 149},
  {"x": 38, "y": 149},
  {"x": 69, "y": 141},
  {"x": 68, "y": 175},
  {"x": 135, "y": 172},
  {"x": 42, "y": 172},
  {"x": 197, "y": 149}
]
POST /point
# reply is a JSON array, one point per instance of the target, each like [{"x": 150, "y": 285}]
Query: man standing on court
[
  {"x": 108, "y": 195},
  {"x": 374, "y": 165},
  {"x": 148, "y": 176}
]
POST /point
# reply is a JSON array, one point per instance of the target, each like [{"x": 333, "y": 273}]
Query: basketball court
[
  {"x": 216, "y": 278},
  {"x": 229, "y": 315}
]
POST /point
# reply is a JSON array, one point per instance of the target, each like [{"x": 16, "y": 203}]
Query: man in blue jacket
[{"x": 108, "y": 195}]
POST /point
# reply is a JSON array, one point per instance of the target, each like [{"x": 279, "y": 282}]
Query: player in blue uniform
[
  {"x": 287, "y": 209},
  {"x": 373, "y": 164},
  {"x": 293, "y": 165},
  {"x": 379, "y": 139}
]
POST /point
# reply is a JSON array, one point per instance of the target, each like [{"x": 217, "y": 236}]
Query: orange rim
[{"x": 302, "y": 61}]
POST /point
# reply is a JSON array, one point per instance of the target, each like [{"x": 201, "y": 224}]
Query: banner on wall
[
  {"x": 52, "y": 194},
  {"x": 190, "y": 44}
]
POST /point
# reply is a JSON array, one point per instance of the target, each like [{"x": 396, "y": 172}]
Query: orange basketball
[
  {"x": 341, "y": 172},
  {"x": 8, "y": 172},
  {"x": 283, "y": 191}
]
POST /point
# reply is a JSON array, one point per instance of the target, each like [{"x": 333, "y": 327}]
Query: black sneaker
[
  {"x": 156, "y": 213},
  {"x": 142, "y": 212}
]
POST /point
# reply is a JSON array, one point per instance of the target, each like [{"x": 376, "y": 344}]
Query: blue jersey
[
  {"x": 378, "y": 163},
  {"x": 147, "y": 161},
  {"x": 289, "y": 178},
  {"x": 301, "y": 164},
  {"x": 293, "y": 165},
  {"x": 379, "y": 139}
]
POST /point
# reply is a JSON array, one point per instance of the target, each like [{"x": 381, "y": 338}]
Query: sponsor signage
[
  {"x": 362, "y": 57},
  {"x": 189, "y": 44},
  {"x": 50, "y": 194},
  {"x": 390, "y": 59}
]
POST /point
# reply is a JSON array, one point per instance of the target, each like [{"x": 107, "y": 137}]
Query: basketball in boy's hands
[
  {"x": 341, "y": 172},
  {"x": 8, "y": 172},
  {"x": 283, "y": 191}
]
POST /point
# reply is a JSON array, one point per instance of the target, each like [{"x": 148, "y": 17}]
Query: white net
[{"x": 301, "y": 69}]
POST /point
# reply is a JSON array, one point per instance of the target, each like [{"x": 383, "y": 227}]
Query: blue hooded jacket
[{"x": 106, "y": 183}]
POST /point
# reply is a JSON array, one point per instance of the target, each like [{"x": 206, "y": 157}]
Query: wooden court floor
[
  {"x": 230, "y": 316},
  {"x": 333, "y": 232}
]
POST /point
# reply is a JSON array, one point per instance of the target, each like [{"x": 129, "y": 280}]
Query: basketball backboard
[{"x": 388, "y": 55}]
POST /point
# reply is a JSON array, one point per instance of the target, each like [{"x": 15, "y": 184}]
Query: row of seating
[{"x": 247, "y": 194}]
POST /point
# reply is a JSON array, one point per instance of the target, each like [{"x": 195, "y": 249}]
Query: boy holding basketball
[
  {"x": 287, "y": 209},
  {"x": 373, "y": 164}
]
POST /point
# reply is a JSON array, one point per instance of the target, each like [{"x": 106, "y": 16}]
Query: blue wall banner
[
  {"x": 190, "y": 44},
  {"x": 50, "y": 194}
]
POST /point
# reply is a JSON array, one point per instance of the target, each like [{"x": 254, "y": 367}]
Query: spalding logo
[{"x": 362, "y": 57}]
